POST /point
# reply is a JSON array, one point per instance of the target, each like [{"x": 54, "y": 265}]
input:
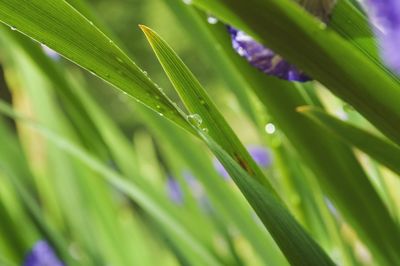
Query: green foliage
[{"x": 107, "y": 181}]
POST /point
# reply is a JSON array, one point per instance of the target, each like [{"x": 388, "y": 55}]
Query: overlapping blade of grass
[
  {"x": 320, "y": 152},
  {"x": 120, "y": 148},
  {"x": 378, "y": 148},
  {"x": 350, "y": 22},
  {"x": 105, "y": 226},
  {"x": 71, "y": 183},
  {"x": 212, "y": 39},
  {"x": 333, "y": 163},
  {"x": 226, "y": 201},
  {"x": 204, "y": 113},
  {"x": 21, "y": 206},
  {"x": 146, "y": 201},
  {"x": 320, "y": 52},
  {"x": 62, "y": 28},
  {"x": 294, "y": 242},
  {"x": 76, "y": 112},
  {"x": 38, "y": 225},
  {"x": 192, "y": 21}
]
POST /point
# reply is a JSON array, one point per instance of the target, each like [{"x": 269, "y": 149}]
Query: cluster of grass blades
[{"x": 80, "y": 142}]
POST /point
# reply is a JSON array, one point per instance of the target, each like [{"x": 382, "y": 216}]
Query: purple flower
[
  {"x": 195, "y": 186},
  {"x": 385, "y": 19},
  {"x": 261, "y": 155},
  {"x": 42, "y": 254},
  {"x": 267, "y": 60},
  {"x": 263, "y": 58},
  {"x": 174, "y": 191},
  {"x": 198, "y": 191}
]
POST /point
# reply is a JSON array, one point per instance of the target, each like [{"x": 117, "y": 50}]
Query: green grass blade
[
  {"x": 298, "y": 247},
  {"x": 204, "y": 112},
  {"x": 227, "y": 201},
  {"x": 320, "y": 152},
  {"x": 121, "y": 150},
  {"x": 320, "y": 52},
  {"x": 282, "y": 98},
  {"x": 62, "y": 28},
  {"x": 294, "y": 242},
  {"x": 140, "y": 196},
  {"x": 196, "y": 25},
  {"x": 378, "y": 148}
]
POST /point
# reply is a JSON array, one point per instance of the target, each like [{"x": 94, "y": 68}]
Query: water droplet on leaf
[
  {"x": 195, "y": 120},
  {"x": 212, "y": 20},
  {"x": 270, "y": 128}
]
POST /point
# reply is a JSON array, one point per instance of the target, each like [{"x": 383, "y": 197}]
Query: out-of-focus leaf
[
  {"x": 130, "y": 189},
  {"x": 320, "y": 52},
  {"x": 321, "y": 152},
  {"x": 381, "y": 150},
  {"x": 298, "y": 247},
  {"x": 61, "y": 27}
]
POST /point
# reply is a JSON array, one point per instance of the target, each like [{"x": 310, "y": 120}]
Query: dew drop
[
  {"x": 205, "y": 130},
  {"x": 212, "y": 20},
  {"x": 13, "y": 28},
  {"x": 342, "y": 114},
  {"x": 270, "y": 128},
  {"x": 195, "y": 120}
]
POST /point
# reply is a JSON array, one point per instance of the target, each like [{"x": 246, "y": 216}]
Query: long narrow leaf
[
  {"x": 383, "y": 151},
  {"x": 204, "y": 112},
  {"x": 298, "y": 247},
  {"x": 295, "y": 243},
  {"x": 320, "y": 52},
  {"x": 59, "y": 26},
  {"x": 121, "y": 183}
]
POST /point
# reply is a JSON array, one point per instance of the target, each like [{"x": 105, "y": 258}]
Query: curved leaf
[{"x": 381, "y": 150}]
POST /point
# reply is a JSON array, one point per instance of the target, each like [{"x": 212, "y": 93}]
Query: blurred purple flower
[
  {"x": 174, "y": 191},
  {"x": 261, "y": 155},
  {"x": 385, "y": 19},
  {"x": 267, "y": 60},
  {"x": 195, "y": 186},
  {"x": 42, "y": 254},
  {"x": 263, "y": 58},
  {"x": 198, "y": 191}
]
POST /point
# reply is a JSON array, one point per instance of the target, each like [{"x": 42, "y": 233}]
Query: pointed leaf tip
[{"x": 146, "y": 30}]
